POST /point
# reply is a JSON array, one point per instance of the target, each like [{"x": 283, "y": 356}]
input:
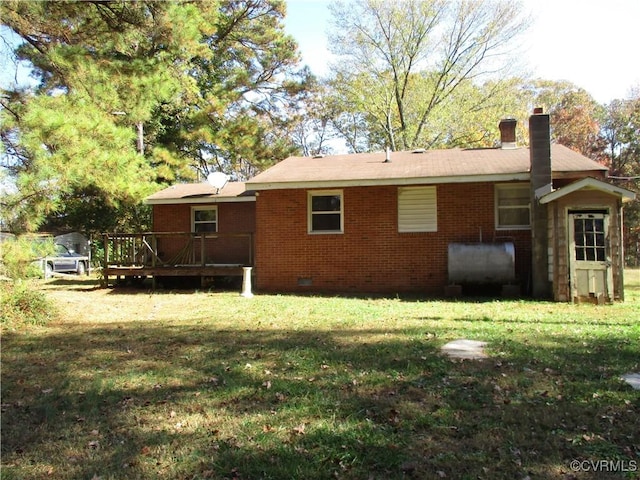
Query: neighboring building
[{"x": 542, "y": 220}]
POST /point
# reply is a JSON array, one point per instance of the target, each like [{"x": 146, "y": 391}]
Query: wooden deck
[{"x": 133, "y": 256}]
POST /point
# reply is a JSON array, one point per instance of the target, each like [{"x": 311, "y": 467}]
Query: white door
[{"x": 589, "y": 257}]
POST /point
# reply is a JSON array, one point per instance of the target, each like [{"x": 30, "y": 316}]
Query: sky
[{"x": 594, "y": 44}]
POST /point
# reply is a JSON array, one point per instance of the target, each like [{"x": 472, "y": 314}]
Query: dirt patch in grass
[{"x": 194, "y": 384}]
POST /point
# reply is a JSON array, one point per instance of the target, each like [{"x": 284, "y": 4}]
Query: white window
[
  {"x": 417, "y": 209},
  {"x": 325, "y": 211},
  {"x": 512, "y": 206},
  {"x": 204, "y": 219}
]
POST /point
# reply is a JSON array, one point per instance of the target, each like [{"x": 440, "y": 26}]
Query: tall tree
[
  {"x": 576, "y": 118},
  {"x": 609, "y": 134},
  {"x": 244, "y": 85},
  {"x": 132, "y": 95},
  {"x": 412, "y": 57},
  {"x": 621, "y": 132}
]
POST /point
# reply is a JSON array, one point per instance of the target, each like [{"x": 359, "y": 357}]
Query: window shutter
[{"x": 417, "y": 209}]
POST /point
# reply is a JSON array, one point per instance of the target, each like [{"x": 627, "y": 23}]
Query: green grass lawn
[{"x": 191, "y": 385}]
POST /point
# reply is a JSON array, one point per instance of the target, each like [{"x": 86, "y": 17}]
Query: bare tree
[{"x": 401, "y": 62}]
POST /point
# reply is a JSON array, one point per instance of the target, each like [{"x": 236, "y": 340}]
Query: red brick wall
[
  {"x": 233, "y": 218},
  {"x": 172, "y": 218},
  {"x": 371, "y": 256}
]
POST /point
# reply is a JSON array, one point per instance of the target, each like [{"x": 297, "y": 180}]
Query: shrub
[
  {"x": 19, "y": 257},
  {"x": 20, "y": 304}
]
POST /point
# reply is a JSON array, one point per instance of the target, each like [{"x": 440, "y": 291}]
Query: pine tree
[{"x": 134, "y": 95}]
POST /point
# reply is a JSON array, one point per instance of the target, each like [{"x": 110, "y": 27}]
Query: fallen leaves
[
  {"x": 393, "y": 417},
  {"x": 189, "y": 393},
  {"x": 300, "y": 429},
  {"x": 95, "y": 443}
]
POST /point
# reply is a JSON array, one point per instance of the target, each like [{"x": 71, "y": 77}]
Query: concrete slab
[
  {"x": 465, "y": 349},
  {"x": 632, "y": 379}
]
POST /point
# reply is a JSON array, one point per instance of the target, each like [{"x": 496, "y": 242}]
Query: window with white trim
[
  {"x": 325, "y": 211},
  {"x": 417, "y": 209},
  {"x": 204, "y": 219},
  {"x": 512, "y": 203}
]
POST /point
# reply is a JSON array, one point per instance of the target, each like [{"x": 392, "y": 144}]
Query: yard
[{"x": 129, "y": 384}]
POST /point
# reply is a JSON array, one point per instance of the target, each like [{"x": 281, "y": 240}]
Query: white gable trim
[{"x": 589, "y": 183}]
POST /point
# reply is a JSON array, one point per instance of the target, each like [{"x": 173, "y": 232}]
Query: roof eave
[
  {"x": 199, "y": 200},
  {"x": 569, "y": 174},
  {"x": 503, "y": 177}
]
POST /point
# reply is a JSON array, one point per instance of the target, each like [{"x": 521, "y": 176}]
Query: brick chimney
[
  {"x": 507, "y": 128},
  {"x": 540, "y": 183}
]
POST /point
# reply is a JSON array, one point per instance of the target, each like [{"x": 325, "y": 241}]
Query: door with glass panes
[{"x": 589, "y": 256}]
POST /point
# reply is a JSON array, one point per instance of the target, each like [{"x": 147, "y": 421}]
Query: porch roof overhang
[{"x": 589, "y": 183}]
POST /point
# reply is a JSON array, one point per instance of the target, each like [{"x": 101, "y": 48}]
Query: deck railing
[{"x": 173, "y": 249}]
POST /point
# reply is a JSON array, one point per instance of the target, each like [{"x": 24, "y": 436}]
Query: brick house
[
  {"x": 376, "y": 222},
  {"x": 541, "y": 220}
]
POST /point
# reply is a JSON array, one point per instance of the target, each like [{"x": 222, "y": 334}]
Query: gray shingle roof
[
  {"x": 431, "y": 166},
  {"x": 201, "y": 192}
]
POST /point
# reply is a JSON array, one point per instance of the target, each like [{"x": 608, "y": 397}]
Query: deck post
[
  {"x": 202, "y": 259},
  {"x": 154, "y": 254},
  {"x": 154, "y": 249},
  {"x": 246, "y": 283},
  {"x": 105, "y": 275}
]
